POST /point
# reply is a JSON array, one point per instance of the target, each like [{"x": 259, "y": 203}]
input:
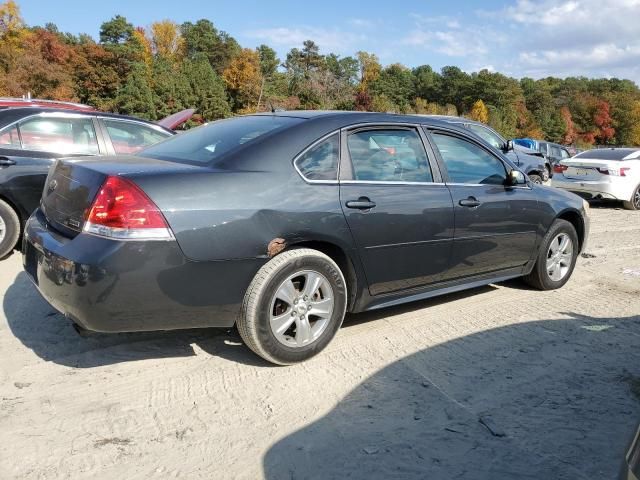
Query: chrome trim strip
[{"x": 390, "y": 182}]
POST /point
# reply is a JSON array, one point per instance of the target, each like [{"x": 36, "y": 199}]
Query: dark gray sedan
[{"x": 281, "y": 223}]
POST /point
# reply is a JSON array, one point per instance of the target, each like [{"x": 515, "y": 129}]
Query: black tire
[
  {"x": 255, "y": 316},
  {"x": 634, "y": 203},
  {"x": 539, "y": 277},
  {"x": 9, "y": 229},
  {"x": 535, "y": 178}
]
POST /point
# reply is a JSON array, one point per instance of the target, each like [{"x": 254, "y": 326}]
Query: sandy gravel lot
[{"x": 498, "y": 382}]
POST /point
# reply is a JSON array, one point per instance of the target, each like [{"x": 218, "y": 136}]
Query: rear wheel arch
[
  {"x": 575, "y": 219},
  {"x": 342, "y": 259}
]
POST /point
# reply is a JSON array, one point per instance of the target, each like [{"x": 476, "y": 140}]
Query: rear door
[
  {"x": 399, "y": 211},
  {"x": 495, "y": 225},
  {"x": 29, "y": 147}
]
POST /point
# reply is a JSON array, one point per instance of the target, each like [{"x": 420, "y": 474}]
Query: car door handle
[
  {"x": 363, "y": 203},
  {"x": 6, "y": 162},
  {"x": 469, "y": 202}
]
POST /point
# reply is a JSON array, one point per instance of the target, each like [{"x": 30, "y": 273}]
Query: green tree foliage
[
  {"x": 167, "y": 67},
  {"x": 203, "y": 37},
  {"x": 135, "y": 97}
]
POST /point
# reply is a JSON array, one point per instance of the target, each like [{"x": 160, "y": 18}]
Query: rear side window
[
  {"x": 388, "y": 155},
  {"x": 320, "y": 162},
  {"x": 129, "y": 137},
  {"x": 64, "y": 135},
  {"x": 9, "y": 138},
  {"x": 468, "y": 163},
  {"x": 205, "y": 144}
]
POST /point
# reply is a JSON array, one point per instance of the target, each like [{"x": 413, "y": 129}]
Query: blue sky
[{"x": 595, "y": 38}]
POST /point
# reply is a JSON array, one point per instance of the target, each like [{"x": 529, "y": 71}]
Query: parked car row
[{"x": 33, "y": 135}]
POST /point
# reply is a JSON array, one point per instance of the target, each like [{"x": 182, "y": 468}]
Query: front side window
[
  {"x": 487, "y": 135},
  {"x": 564, "y": 153},
  {"x": 555, "y": 152},
  {"x": 9, "y": 138},
  {"x": 64, "y": 135},
  {"x": 129, "y": 137},
  {"x": 389, "y": 155},
  {"x": 468, "y": 163},
  {"x": 320, "y": 162}
]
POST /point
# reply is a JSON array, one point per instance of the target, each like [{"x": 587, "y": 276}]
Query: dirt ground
[{"x": 499, "y": 382}]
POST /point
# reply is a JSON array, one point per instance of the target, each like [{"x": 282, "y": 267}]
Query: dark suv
[{"x": 32, "y": 138}]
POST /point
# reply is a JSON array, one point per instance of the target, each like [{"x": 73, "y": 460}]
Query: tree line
[{"x": 158, "y": 70}]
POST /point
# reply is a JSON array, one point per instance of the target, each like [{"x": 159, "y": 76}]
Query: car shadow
[
  {"x": 53, "y": 338},
  {"x": 544, "y": 399}
]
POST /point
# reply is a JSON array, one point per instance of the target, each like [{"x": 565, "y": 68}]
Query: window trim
[
  {"x": 311, "y": 146},
  {"x": 348, "y": 178}
]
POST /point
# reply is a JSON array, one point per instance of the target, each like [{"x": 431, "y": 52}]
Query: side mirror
[
  {"x": 508, "y": 146},
  {"x": 516, "y": 177}
]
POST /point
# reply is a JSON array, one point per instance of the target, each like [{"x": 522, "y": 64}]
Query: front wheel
[
  {"x": 293, "y": 307},
  {"x": 634, "y": 203},
  {"x": 556, "y": 258},
  {"x": 535, "y": 178},
  {"x": 9, "y": 229}
]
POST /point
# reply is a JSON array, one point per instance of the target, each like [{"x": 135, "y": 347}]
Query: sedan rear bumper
[
  {"x": 593, "y": 189},
  {"x": 116, "y": 286}
]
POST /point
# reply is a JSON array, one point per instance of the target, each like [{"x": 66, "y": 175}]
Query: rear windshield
[
  {"x": 610, "y": 153},
  {"x": 205, "y": 144}
]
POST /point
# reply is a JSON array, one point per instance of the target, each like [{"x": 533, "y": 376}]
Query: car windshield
[{"x": 205, "y": 144}]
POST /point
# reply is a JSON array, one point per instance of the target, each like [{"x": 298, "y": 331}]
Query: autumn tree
[
  {"x": 243, "y": 78},
  {"x": 602, "y": 121},
  {"x": 479, "y": 112},
  {"x": 166, "y": 40}
]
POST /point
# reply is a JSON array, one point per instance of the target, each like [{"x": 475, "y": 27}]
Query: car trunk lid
[
  {"x": 586, "y": 169},
  {"x": 73, "y": 184}
]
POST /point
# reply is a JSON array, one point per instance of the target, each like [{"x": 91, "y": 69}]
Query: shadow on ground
[
  {"x": 539, "y": 400},
  {"x": 52, "y": 337}
]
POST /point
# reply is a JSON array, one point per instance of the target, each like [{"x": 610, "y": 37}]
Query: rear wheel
[
  {"x": 535, "y": 178},
  {"x": 293, "y": 307},
  {"x": 556, "y": 258},
  {"x": 634, "y": 203},
  {"x": 9, "y": 229}
]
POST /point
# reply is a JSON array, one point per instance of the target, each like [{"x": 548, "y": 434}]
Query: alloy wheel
[
  {"x": 636, "y": 199},
  {"x": 559, "y": 257},
  {"x": 3, "y": 229},
  {"x": 301, "y": 308}
]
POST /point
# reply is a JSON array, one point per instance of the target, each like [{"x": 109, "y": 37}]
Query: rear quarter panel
[{"x": 224, "y": 215}]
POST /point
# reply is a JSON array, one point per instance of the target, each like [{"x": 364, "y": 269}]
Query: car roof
[
  {"x": 352, "y": 117},
  {"x": 13, "y": 114}
]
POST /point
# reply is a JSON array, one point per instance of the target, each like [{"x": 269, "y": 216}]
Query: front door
[
  {"x": 495, "y": 225},
  {"x": 398, "y": 210}
]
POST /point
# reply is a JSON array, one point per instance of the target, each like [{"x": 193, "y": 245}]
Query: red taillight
[
  {"x": 621, "y": 172},
  {"x": 122, "y": 210},
  {"x": 559, "y": 168}
]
